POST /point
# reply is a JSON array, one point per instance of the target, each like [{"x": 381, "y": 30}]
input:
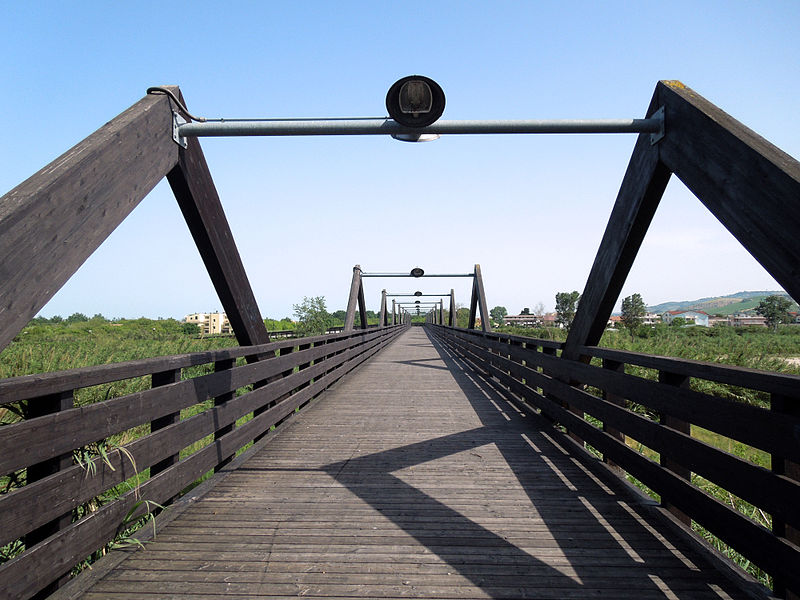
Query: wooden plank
[
  {"x": 639, "y": 195},
  {"x": 750, "y": 424},
  {"x": 197, "y": 197},
  {"x": 754, "y": 379},
  {"x": 52, "y": 222},
  {"x": 750, "y": 185},
  {"x": 27, "y": 387}
]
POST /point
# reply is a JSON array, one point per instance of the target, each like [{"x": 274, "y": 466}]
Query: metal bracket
[
  {"x": 177, "y": 121},
  {"x": 658, "y": 116}
]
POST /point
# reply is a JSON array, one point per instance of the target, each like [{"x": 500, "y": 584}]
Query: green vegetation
[
  {"x": 633, "y": 311},
  {"x": 498, "y": 314},
  {"x": 776, "y": 310},
  {"x": 57, "y": 344},
  {"x": 312, "y": 316},
  {"x": 566, "y": 305}
]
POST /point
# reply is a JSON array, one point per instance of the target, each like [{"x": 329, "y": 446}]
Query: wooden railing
[
  {"x": 606, "y": 405},
  {"x": 230, "y": 407}
]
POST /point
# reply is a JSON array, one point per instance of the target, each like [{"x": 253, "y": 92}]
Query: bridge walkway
[{"x": 412, "y": 478}]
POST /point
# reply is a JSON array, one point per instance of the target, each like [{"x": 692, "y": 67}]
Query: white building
[
  {"x": 691, "y": 317},
  {"x": 210, "y": 323}
]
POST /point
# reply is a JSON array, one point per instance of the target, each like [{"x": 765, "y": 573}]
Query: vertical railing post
[
  {"x": 219, "y": 367},
  {"x": 789, "y": 406},
  {"x": 452, "y": 317},
  {"x": 282, "y": 352},
  {"x": 678, "y": 381},
  {"x": 39, "y": 407},
  {"x": 158, "y": 380},
  {"x": 551, "y": 352},
  {"x": 300, "y": 348},
  {"x": 617, "y": 367}
]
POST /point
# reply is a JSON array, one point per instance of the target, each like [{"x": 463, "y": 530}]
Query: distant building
[
  {"x": 210, "y": 323},
  {"x": 651, "y": 319},
  {"x": 549, "y": 320},
  {"x": 744, "y": 319},
  {"x": 692, "y": 317},
  {"x": 712, "y": 321},
  {"x": 521, "y": 320}
]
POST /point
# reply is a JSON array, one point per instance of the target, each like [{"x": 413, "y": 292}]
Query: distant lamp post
[{"x": 417, "y": 272}]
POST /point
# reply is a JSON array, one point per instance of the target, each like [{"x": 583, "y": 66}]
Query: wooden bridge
[{"x": 397, "y": 461}]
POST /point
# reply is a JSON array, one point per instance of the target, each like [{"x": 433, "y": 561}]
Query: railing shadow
[{"x": 601, "y": 545}]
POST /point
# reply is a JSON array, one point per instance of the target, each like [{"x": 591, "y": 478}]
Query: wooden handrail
[{"x": 26, "y": 387}]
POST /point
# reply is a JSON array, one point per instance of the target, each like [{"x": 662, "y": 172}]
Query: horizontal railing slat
[
  {"x": 764, "y": 381},
  {"x": 757, "y": 485},
  {"x": 752, "y": 425},
  {"x": 26, "y": 387},
  {"x": 32, "y": 441}
]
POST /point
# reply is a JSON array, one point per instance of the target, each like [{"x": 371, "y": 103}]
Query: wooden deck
[{"x": 413, "y": 479}]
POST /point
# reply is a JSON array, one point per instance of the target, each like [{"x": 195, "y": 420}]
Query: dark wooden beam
[
  {"x": 52, "y": 222},
  {"x": 384, "y": 319},
  {"x": 486, "y": 324},
  {"x": 750, "y": 185},
  {"x": 642, "y": 187},
  {"x": 197, "y": 197},
  {"x": 354, "y": 299}
]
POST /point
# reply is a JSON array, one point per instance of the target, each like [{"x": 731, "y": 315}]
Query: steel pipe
[
  {"x": 294, "y": 127},
  {"x": 420, "y": 277}
]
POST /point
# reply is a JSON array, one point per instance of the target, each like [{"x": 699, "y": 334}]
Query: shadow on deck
[{"x": 413, "y": 478}]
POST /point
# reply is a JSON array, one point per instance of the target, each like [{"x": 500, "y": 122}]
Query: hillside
[{"x": 723, "y": 305}]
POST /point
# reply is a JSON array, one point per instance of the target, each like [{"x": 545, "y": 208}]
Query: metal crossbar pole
[
  {"x": 420, "y": 277},
  {"x": 294, "y": 127},
  {"x": 412, "y": 295}
]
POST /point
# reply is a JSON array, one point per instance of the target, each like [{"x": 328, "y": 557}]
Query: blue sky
[{"x": 531, "y": 210}]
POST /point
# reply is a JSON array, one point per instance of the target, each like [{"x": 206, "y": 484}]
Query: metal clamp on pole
[{"x": 177, "y": 121}]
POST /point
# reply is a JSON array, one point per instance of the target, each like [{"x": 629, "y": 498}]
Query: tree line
[{"x": 775, "y": 309}]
